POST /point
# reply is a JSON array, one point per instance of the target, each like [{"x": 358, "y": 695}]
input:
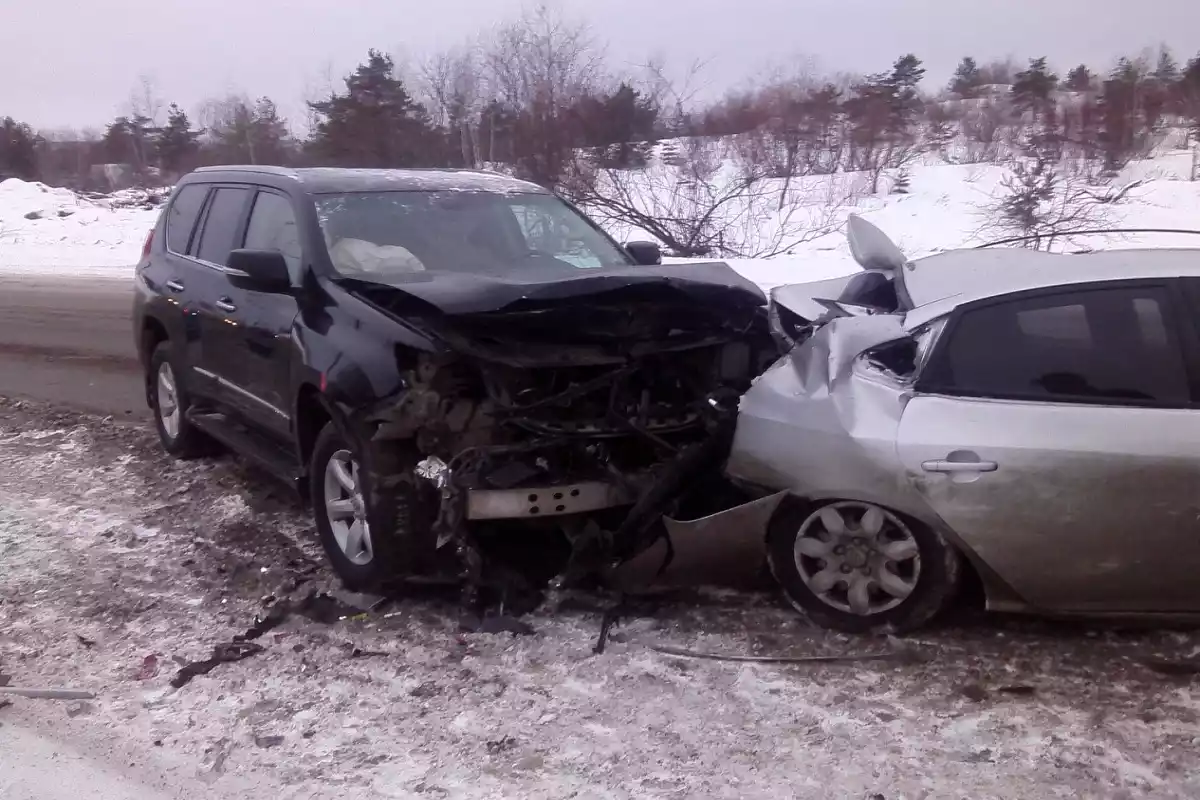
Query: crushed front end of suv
[{"x": 460, "y": 370}]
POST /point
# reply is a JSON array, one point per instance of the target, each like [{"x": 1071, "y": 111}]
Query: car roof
[
  {"x": 325, "y": 180},
  {"x": 940, "y": 283}
]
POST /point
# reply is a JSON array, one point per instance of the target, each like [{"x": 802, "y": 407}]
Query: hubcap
[
  {"x": 346, "y": 508},
  {"x": 168, "y": 400},
  {"x": 858, "y": 557}
]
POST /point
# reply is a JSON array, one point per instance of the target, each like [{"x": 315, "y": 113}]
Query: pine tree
[
  {"x": 175, "y": 144},
  {"x": 376, "y": 123},
  {"x": 620, "y": 126},
  {"x": 899, "y": 88},
  {"x": 127, "y": 141},
  {"x": 1167, "y": 70},
  {"x": 1188, "y": 89},
  {"x": 967, "y": 80},
  {"x": 1080, "y": 79},
  {"x": 18, "y": 150},
  {"x": 1033, "y": 87}
]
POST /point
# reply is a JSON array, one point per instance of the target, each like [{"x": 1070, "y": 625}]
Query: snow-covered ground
[
  {"x": 73, "y": 235},
  {"x": 119, "y": 566}
]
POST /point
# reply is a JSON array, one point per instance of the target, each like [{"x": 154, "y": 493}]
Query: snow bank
[
  {"x": 49, "y": 230},
  {"x": 57, "y": 231}
]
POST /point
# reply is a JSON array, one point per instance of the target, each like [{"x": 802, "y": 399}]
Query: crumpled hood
[{"x": 471, "y": 293}]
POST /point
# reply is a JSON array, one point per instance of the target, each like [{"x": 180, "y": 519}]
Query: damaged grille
[{"x": 653, "y": 395}]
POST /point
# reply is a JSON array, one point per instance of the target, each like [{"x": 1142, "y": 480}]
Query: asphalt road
[{"x": 69, "y": 341}]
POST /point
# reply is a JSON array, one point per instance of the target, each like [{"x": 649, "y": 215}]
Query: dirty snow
[{"x": 119, "y": 564}]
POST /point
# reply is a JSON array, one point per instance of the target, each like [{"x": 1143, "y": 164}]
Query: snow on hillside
[{"x": 55, "y": 230}]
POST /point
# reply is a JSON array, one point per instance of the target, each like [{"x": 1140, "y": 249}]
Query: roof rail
[{"x": 1060, "y": 234}]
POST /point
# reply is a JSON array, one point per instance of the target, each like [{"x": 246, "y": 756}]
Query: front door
[
  {"x": 265, "y": 320},
  {"x": 1056, "y": 435}
]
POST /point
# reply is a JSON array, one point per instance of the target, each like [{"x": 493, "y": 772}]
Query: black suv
[{"x": 457, "y": 369}]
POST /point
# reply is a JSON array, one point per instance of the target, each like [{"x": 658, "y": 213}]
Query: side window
[
  {"x": 1109, "y": 345},
  {"x": 221, "y": 225},
  {"x": 546, "y": 234},
  {"x": 273, "y": 227},
  {"x": 182, "y": 216}
]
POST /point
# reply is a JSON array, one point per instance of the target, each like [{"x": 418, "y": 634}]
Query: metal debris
[
  {"x": 901, "y": 655},
  {"x": 46, "y": 694},
  {"x": 222, "y": 654},
  {"x": 435, "y": 470}
]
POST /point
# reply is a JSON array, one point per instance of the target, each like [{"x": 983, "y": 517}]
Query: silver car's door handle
[
  {"x": 226, "y": 306},
  {"x": 175, "y": 286},
  {"x": 959, "y": 466}
]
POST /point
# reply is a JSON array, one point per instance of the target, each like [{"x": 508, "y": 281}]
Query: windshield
[{"x": 390, "y": 234}]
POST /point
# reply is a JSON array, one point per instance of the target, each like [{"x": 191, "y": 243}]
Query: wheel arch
[
  {"x": 311, "y": 414},
  {"x": 152, "y": 334}
]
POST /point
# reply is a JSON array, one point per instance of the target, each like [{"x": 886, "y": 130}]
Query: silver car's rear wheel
[
  {"x": 858, "y": 558},
  {"x": 859, "y": 567}
]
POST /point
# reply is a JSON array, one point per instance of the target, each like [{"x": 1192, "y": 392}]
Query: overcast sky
[{"x": 72, "y": 63}]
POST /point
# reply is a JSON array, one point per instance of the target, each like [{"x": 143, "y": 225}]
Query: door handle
[
  {"x": 959, "y": 466},
  {"x": 175, "y": 286},
  {"x": 226, "y": 305}
]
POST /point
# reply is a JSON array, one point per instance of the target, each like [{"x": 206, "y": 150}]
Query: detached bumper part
[{"x": 544, "y": 501}]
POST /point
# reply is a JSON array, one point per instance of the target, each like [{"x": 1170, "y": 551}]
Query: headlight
[{"x": 788, "y": 328}]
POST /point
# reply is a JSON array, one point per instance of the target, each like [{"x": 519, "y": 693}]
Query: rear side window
[
  {"x": 1109, "y": 346},
  {"x": 221, "y": 225},
  {"x": 182, "y": 216},
  {"x": 272, "y": 226}
]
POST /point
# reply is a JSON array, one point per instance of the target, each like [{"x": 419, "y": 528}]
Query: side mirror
[
  {"x": 645, "y": 254},
  {"x": 260, "y": 271}
]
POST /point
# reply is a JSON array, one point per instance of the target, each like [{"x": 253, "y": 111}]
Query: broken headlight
[{"x": 788, "y": 328}]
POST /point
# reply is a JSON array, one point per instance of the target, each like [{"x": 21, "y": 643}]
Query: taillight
[{"x": 149, "y": 242}]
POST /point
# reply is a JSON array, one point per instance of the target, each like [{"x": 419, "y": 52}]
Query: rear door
[
  {"x": 221, "y": 230},
  {"x": 1057, "y": 433},
  {"x": 182, "y": 283}
]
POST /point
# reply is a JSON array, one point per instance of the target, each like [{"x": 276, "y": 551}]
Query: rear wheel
[
  {"x": 371, "y": 518},
  {"x": 170, "y": 401},
  {"x": 859, "y": 567}
]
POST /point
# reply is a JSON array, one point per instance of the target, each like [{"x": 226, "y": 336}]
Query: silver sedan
[{"x": 1031, "y": 418}]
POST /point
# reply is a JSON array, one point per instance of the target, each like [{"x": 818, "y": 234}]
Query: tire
[
  {"x": 169, "y": 400},
  {"x": 383, "y": 496},
  {"x": 875, "y": 544}
]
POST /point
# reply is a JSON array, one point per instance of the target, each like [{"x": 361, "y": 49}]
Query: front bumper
[{"x": 532, "y": 502}]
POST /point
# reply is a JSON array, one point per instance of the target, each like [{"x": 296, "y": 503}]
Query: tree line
[
  {"x": 538, "y": 98},
  {"x": 537, "y": 94}
]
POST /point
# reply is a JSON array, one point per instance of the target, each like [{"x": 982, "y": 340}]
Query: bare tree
[
  {"x": 987, "y": 128},
  {"x": 145, "y": 100},
  {"x": 453, "y": 84},
  {"x": 1047, "y": 200},
  {"x": 710, "y": 203},
  {"x": 538, "y": 69}
]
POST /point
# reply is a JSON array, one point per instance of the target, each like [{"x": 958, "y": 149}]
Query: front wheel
[
  {"x": 859, "y": 567},
  {"x": 370, "y": 516}
]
